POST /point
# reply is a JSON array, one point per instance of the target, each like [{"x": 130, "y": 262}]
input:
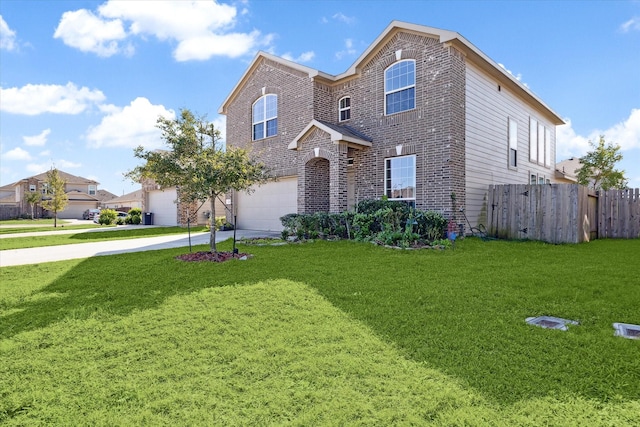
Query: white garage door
[
  {"x": 262, "y": 209},
  {"x": 74, "y": 210},
  {"x": 163, "y": 208}
]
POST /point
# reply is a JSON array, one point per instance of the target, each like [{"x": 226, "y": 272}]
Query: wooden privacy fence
[{"x": 562, "y": 213}]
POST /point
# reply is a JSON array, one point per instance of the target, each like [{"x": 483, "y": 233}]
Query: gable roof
[
  {"x": 338, "y": 133},
  {"x": 452, "y": 38}
]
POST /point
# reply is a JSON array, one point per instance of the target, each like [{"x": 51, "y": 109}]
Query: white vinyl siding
[{"x": 487, "y": 111}]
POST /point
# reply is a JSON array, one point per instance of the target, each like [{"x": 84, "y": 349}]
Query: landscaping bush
[
  {"x": 135, "y": 216},
  {"x": 107, "y": 217},
  {"x": 382, "y": 221}
]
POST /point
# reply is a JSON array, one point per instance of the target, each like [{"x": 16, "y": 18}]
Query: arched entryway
[{"x": 317, "y": 178}]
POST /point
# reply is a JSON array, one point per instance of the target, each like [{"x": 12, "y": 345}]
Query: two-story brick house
[
  {"x": 82, "y": 194},
  {"x": 421, "y": 114}
]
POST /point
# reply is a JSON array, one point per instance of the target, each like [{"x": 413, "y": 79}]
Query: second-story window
[
  {"x": 265, "y": 117},
  {"x": 400, "y": 87},
  {"x": 92, "y": 190},
  {"x": 344, "y": 108}
]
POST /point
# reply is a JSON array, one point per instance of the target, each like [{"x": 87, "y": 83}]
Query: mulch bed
[{"x": 212, "y": 256}]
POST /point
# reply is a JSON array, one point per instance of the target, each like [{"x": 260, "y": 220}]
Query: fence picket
[{"x": 562, "y": 213}]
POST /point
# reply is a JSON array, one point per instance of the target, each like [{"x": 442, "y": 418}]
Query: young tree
[
  {"x": 197, "y": 163},
  {"x": 55, "y": 199},
  {"x": 32, "y": 197},
  {"x": 598, "y": 167}
]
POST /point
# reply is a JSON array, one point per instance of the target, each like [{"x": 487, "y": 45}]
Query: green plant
[
  {"x": 134, "y": 216},
  {"x": 107, "y": 217}
]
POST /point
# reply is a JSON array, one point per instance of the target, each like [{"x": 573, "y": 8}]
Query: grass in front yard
[
  {"x": 20, "y": 230},
  {"x": 298, "y": 333},
  {"x": 31, "y": 222},
  {"x": 91, "y": 236}
]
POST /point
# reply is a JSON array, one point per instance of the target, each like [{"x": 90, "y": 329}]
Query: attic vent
[
  {"x": 627, "y": 331},
  {"x": 350, "y": 161},
  {"x": 549, "y": 322}
]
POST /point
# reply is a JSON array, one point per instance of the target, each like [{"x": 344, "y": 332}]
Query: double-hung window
[
  {"x": 400, "y": 87},
  {"x": 344, "y": 108},
  {"x": 265, "y": 117},
  {"x": 400, "y": 178}
]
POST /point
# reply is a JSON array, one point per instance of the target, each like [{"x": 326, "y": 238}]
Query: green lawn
[
  {"x": 324, "y": 333},
  {"x": 32, "y": 222},
  {"x": 97, "y": 236}
]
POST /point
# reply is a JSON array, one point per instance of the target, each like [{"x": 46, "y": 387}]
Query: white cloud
[
  {"x": 348, "y": 49},
  {"x": 304, "y": 57},
  {"x": 208, "y": 45},
  {"x": 45, "y": 153},
  {"x": 37, "y": 99},
  {"x": 16, "y": 154},
  {"x": 85, "y": 31},
  {"x": 36, "y": 168},
  {"x": 626, "y": 134},
  {"x": 200, "y": 29},
  {"x": 343, "y": 18},
  {"x": 220, "y": 123},
  {"x": 37, "y": 140},
  {"x": 632, "y": 24},
  {"x": 130, "y": 126},
  {"x": 7, "y": 36}
]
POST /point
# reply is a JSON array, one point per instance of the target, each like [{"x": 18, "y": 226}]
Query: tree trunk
[{"x": 212, "y": 222}]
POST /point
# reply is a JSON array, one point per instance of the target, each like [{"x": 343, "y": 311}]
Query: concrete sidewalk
[{"x": 85, "y": 250}]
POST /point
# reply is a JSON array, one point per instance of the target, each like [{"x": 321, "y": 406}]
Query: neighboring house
[
  {"x": 124, "y": 203},
  {"x": 82, "y": 194},
  {"x": 567, "y": 170},
  {"x": 167, "y": 209},
  {"x": 104, "y": 196},
  {"x": 421, "y": 114}
]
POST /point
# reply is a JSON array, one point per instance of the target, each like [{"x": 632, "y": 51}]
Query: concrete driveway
[{"x": 85, "y": 250}]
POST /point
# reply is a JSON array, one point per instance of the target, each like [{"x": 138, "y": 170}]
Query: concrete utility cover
[
  {"x": 627, "y": 331},
  {"x": 549, "y": 322}
]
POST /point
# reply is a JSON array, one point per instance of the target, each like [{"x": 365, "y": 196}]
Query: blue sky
[{"x": 83, "y": 82}]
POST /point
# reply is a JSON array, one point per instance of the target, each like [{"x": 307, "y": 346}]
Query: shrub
[
  {"x": 107, "y": 217},
  {"x": 134, "y": 216}
]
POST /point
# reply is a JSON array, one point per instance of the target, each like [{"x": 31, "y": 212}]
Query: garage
[
  {"x": 262, "y": 209},
  {"x": 75, "y": 209},
  {"x": 163, "y": 207}
]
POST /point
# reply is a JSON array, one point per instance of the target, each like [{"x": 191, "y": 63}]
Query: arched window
[
  {"x": 344, "y": 108},
  {"x": 265, "y": 117},
  {"x": 400, "y": 87}
]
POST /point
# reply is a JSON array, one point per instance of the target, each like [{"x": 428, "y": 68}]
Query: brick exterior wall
[{"x": 434, "y": 131}]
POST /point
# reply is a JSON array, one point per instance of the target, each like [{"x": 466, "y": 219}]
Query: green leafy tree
[
  {"x": 598, "y": 167},
  {"x": 197, "y": 163},
  {"x": 56, "y": 198},
  {"x": 33, "y": 197}
]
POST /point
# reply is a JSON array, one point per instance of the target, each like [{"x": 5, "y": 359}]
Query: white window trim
[
  {"x": 386, "y": 189},
  {"x": 341, "y": 109},
  {"x": 513, "y": 142},
  {"x": 386, "y": 92},
  {"x": 547, "y": 147},
  {"x": 265, "y": 120},
  {"x": 94, "y": 188},
  {"x": 33, "y": 188},
  {"x": 533, "y": 140},
  {"x": 541, "y": 133}
]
